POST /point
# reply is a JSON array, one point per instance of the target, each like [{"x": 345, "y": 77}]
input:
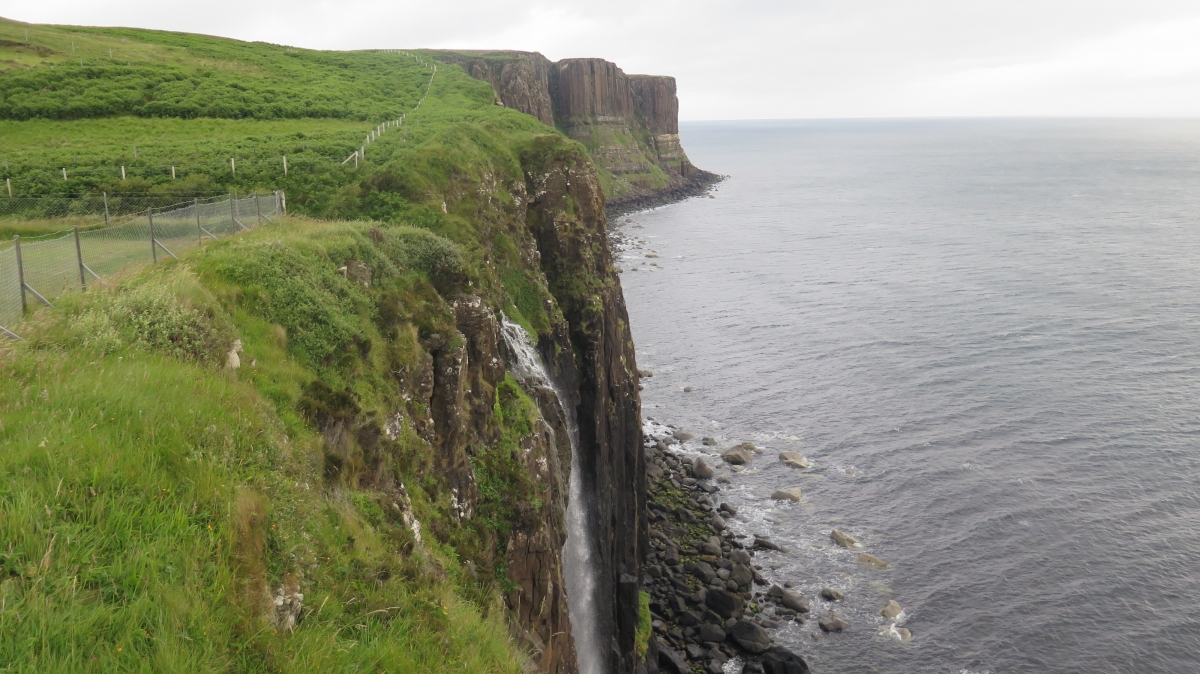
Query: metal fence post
[
  {"x": 153, "y": 247},
  {"x": 199, "y": 230},
  {"x": 258, "y": 208},
  {"x": 20, "y": 272},
  {"x": 232, "y": 215},
  {"x": 105, "y": 209},
  {"x": 79, "y": 257}
]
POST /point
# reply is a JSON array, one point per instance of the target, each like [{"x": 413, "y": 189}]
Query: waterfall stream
[{"x": 578, "y": 559}]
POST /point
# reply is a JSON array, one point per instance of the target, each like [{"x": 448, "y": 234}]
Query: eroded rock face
[
  {"x": 595, "y": 102},
  {"x": 587, "y": 89},
  {"x": 521, "y": 79},
  {"x": 592, "y": 359}
]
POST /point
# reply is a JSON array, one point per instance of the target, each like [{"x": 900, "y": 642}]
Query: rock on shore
[{"x": 707, "y": 604}]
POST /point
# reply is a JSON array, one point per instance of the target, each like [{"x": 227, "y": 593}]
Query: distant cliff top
[{"x": 628, "y": 123}]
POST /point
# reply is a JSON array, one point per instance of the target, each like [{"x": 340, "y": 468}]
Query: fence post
[
  {"x": 232, "y": 215},
  {"x": 199, "y": 230},
  {"x": 8, "y": 183},
  {"x": 153, "y": 247},
  {"x": 105, "y": 208},
  {"x": 79, "y": 257},
  {"x": 258, "y": 208},
  {"x": 20, "y": 272}
]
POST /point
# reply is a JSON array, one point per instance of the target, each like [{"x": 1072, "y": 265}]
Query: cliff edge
[{"x": 628, "y": 123}]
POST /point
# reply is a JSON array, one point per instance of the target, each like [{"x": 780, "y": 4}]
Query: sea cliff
[{"x": 628, "y": 123}]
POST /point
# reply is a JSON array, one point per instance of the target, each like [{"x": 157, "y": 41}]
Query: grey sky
[{"x": 765, "y": 58}]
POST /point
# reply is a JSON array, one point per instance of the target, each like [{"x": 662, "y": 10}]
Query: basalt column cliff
[{"x": 628, "y": 123}]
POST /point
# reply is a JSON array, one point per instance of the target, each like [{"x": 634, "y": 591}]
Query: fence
[
  {"x": 103, "y": 206},
  {"x": 37, "y": 271}
]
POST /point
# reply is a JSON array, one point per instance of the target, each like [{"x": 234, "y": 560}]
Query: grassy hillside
[
  {"x": 154, "y": 503},
  {"x": 160, "y": 511}
]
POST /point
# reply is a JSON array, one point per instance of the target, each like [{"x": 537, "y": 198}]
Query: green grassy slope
[{"x": 154, "y": 504}]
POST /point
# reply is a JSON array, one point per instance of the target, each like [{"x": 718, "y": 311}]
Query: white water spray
[{"x": 578, "y": 559}]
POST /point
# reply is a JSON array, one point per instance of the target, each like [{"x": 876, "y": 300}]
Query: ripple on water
[{"x": 996, "y": 382}]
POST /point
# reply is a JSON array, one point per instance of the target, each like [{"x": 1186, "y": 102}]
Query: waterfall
[{"x": 578, "y": 558}]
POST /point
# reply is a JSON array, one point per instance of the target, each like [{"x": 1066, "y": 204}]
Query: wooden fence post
[
  {"x": 105, "y": 208},
  {"x": 153, "y": 247},
  {"x": 20, "y": 272},
  {"x": 79, "y": 257},
  {"x": 199, "y": 230}
]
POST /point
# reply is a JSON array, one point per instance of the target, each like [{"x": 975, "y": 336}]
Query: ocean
[{"x": 985, "y": 336}]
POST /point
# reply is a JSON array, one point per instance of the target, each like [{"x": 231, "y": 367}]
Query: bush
[{"x": 152, "y": 316}]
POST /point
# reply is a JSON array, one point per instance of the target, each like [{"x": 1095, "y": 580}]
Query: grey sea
[{"x": 985, "y": 336}]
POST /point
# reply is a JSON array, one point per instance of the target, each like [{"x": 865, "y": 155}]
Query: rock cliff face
[
  {"x": 556, "y": 218},
  {"x": 629, "y": 123},
  {"x": 596, "y": 363},
  {"x": 521, "y": 79}
]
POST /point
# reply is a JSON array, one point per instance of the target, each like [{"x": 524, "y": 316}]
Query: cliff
[
  {"x": 628, "y": 123},
  {"x": 317, "y": 446}
]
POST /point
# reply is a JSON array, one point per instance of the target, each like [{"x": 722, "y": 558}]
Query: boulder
[
  {"x": 710, "y": 547},
  {"x": 794, "y": 601},
  {"x": 653, "y": 470},
  {"x": 790, "y": 494},
  {"x": 737, "y": 456},
  {"x": 741, "y": 574},
  {"x": 682, "y": 436},
  {"x": 765, "y": 544},
  {"x": 794, "y": 459},
  {"x": 844, "y": 540},
  {"x": 359, "y": 273},
  {"x": 871, "y": 560},
  {"x": 645, "y": 374},
  {"x": 717, "y": 523},
  {"x": 898, "y": 633},
  {"x": 672, "y": 661},
  {"x": 832, "y": 623},
  {"x": 702, "y": 470},
  {"x": 750, "y": 637},
  {"x": 779, "y": 660},
  {"x": 687, "y": 619},
  {"x": 724, "y": 603},
  {"x": 700, "y": 570},
  {"x": 670, "y": 556},
  {"x": 710, "y": 633},
  {"x": 830, "y": 594},
  {"x": 728, "y": 508},
  {"x": 740, "y": 557},
  {"x": 749, "y": 447},
  {"x": 891, "y": 610},
  {"x": 709, "y": 442}
]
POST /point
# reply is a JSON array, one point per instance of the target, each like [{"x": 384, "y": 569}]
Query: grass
[{"x": 155, "y": 501}]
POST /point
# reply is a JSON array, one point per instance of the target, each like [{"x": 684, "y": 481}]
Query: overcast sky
[{"x": 764, "y": 59}]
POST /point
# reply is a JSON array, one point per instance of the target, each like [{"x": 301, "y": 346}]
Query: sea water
[{"x": 985, "y": 335}]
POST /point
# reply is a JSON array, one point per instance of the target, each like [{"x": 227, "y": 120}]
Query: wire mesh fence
[
  {"x": 39, "y": 270},
  {"x": 111, "y": 206}
]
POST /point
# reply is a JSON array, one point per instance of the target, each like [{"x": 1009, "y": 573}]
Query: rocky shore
[
  {"x": 698, "y": 183},
  {"x": 709, "y": 602}
]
